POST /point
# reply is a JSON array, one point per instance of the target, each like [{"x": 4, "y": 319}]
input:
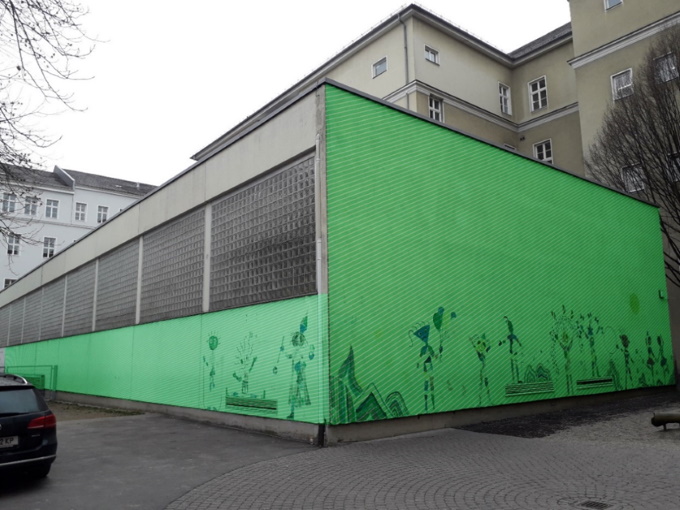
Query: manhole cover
[{"x": 595, "y": 505}]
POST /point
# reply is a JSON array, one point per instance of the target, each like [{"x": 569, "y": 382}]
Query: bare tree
[
  {"x": 637, "y": 149},
  {"x": 39, "y": 42}
]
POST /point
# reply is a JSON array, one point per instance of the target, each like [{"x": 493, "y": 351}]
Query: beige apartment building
[{"x": 544, "y": 100}]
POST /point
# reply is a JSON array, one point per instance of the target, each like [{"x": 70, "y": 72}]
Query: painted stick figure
[
  {"x": 482, "y": 347},
  {"x": 301, "y": 352},
  {"x": 246, "y": 362},
  {"x": 514, "y": 350}
]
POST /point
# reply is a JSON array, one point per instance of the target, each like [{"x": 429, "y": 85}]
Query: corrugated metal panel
[
  {"x": 79, "y": 300},
  {"x": 52, "y": 309},
  {"x": 172, "y": 269},
  {"x": 117, "y": 287},
  {"x": 263, "y": 241}
]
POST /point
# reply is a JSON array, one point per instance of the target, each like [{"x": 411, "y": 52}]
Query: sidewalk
[{"x": 609, "y": 457}]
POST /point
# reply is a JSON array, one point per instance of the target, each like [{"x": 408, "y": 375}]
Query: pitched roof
[
  {"x": 559, "y": 33},
  {"x": 101, "y": 182},
  {"x": 31, "y": 177}
]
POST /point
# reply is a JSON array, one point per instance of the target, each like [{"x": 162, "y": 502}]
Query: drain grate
[{"x": 595, "y": 505}]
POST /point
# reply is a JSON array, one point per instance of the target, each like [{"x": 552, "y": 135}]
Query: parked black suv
[{"x": 28, "y": 429}]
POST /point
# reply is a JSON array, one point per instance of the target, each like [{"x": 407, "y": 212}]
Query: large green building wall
[
  {"x": 462, "y": 275},
  {"x": 264, "y": 360}
]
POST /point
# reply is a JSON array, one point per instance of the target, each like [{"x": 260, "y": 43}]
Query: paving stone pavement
[{"x": 618, "y": 464}]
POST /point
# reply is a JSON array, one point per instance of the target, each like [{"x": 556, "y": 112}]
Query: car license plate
[{"x": 8, "y": 442}]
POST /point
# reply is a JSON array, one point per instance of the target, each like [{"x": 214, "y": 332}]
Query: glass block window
[
  {"x": 32, "y": 317},
  {"x": 16, "y": 322},
  {"x": 117, "y": 287},
  {"x": 52, "y": 309},
  {"x": 172, "y": 269},
  {"x": 263, "y": 240},
  {"x": 79, "y": 300},
  {"x": 4, "y": 325}
]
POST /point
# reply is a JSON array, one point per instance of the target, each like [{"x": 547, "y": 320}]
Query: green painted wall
[
  {"x": 264, "y": 360},
  {"x": 462, "y": 275}
]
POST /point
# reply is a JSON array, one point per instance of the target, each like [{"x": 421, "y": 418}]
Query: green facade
[
  {"x": 460, "y": 276},
  {"x": 264, "y": 360}
]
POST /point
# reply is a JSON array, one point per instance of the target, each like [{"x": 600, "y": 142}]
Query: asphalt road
[{"x": 142, "y": 461}]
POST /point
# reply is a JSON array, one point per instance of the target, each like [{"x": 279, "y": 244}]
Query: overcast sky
[{"x": 169, "y": 77}]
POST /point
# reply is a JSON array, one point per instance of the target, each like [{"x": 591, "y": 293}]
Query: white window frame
[
  {"x": 610, "y": 4},
  {"x": 81, "y": 212},
  {"x": 49, "y": 245},
  {"x": 541, "y": 103},
  {"x": 435, "y": 106},
  {"x": 9, "y": 281},
  {"x": 102, "y": 214},
  {"x": 52, "y": 208},
  {"x": 633, "y": 182},
  {"x": 9, "y": 202},
  {"x": 616, "y": 90},
  {"x": 431, "y": 55},
  {"x": 505, "y": 98},
  {"x": 377, "y": 66},
  {"x": 31, "y": 206},
  {"x": 13, "y": 244},
  {"x": 543, "y": 148},
  {"x": 664, "y": 72}
]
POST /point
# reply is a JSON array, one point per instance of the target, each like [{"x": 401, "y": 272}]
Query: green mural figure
[
  {"x": 514, "y": 350},
  {"x": 588, "y": 328},
  {"x": 245, "y": 362},
  {"x": 428, "y": 355},
  {"x": 651, "y": 359},
  {"x": 213, "y": 343},
  {"x": 299, "y": 354},
  {"x": 482, "y": 347},
  {"x": 562, "y": 335},
  {"x": 663, "y": 362},
  {"x": 625, "y": 343}
]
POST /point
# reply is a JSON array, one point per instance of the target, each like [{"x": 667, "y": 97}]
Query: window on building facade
[
  {"x": 504, "y": 95},
  {"x": 102, "y": 214},
  {"x": 436, "y": 107},
  {"x": 31, "y": 206},
  {"x": 633, "y": 179},
  {"x": 543, "y": 151},
  {"x": 48, "y": 247},
  {"x": 8, "y": 282},
  {"x": 9, "y": 202},
  {"x": 380, "y": 67},
  {"x": 52, "y": 209},
  {"x": 538, "y": 94},
  {"x": 666, "y": 67},
  {"x": 622, "y": 84},
  {"x": 81, "y": 210},
  {"x": 608, "y": 4},
  {"x": 431, "y": 55},
  {"x": 13, "y": 242}
]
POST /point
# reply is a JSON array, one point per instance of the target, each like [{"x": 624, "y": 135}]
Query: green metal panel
[
  {"x": 462, "y": 275},
  {"x": 263, "y": 360}
]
